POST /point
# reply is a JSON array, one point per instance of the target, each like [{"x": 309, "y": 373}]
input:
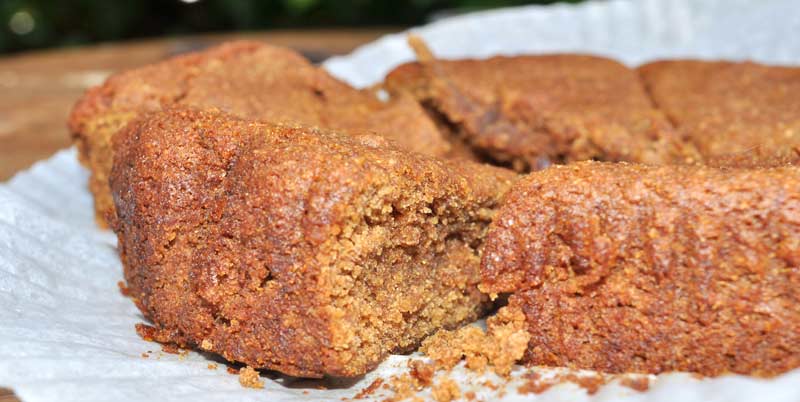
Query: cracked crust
[
  {"x": 624, "y": 268},
  {"x": 532, "y": 111},
  {"x": 290, "y": 248},
  {"x": 734, "y": 113},
  {"x": 248, "y": 79}
]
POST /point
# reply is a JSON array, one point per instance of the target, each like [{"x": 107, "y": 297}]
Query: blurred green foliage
[{"x": 31, "y": 24}]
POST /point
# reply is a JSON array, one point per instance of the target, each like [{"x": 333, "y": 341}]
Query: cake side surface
[
  {"x": 623, "y": 267},
  {"x": 296, "y": 249}
]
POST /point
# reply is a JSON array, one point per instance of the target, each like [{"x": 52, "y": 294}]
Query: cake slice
[
  {"x": 247, "y": 79},
  {"x": 532, "y": 111},
  {"x": 747, "y": 113},
  {"x": 634, "y": 268},
  {"x": 296, "y": 249}
]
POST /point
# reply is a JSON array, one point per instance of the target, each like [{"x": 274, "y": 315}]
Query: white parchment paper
[{"x": 66, "y": 332}]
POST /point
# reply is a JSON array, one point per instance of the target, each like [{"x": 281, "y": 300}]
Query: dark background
[{"x": 37, "y": 24}]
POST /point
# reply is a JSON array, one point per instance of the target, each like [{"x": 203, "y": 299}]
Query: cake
[
  {"x": 293, "y": 248},
  {"x": 635, "y": 268},
  {"x": 529, "y": 112},
  {"x": 278, "y": 217},
  {"x": 247, "y": 79},
  {"x": 740, "y": 111}
]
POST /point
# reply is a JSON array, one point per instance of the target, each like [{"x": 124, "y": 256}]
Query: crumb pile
[
  {"x": 499, "y": 348},
  {"x": 496, "y": 349},
  {"x": 408, "y": 386},
  {"x": 535, "y": 383},
  {"x": 431, "y": 379}
]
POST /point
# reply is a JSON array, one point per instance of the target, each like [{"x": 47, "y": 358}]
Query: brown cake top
[
  {"x": 544, "y": 109},
  {"x": 257, "y": 81},
  {"x": 730, "y": 110},
  {"x": 587, "y": 219}
]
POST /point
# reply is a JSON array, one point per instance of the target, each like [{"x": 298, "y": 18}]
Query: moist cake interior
[{"x": 406, "y": 267}]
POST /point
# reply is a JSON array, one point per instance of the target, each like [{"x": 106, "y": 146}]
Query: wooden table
[
  {"x": 38, "y": 89},
  {"x": 6, "y": 395}
]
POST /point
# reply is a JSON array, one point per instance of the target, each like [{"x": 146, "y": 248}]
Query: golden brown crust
[
  {"x": 531, "y": 111},
  {"x": 745, "y": 112},
  {"x": 623, "y": 267},
  {"x": 295, "y": 249},
  {"x": 247, "y": 79}
]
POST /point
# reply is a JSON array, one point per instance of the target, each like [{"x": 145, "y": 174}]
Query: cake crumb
[
  {"x": 170, "y": 348},
  {"x": 446, "y": 390},
  {"x": 145, "y": 355},
  {"x": 206, "y": 345},
  {"x": 469, "y": 395},
  {"x": 499, "y": 347},
  {"x": 404, "y": 387},
  {"x": 146, "y": 332},
  {"x": 212, "y": 366},
  {"x": 422, "y": 371},
  {"x": 421, "y": 50},
  {"x": 123, "y": 289},
  {"x": 591, "y": 383},
  {"x": 232, "y": 370},
  {"x": 249, "y": 378},
  {"x": 369, "y": 389},
  {"x": 640, "y": 384},
  {"x": 152, "y": 334},
  {"x": 534, "y": 383},
  {"x": 490, "y": 385}
]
